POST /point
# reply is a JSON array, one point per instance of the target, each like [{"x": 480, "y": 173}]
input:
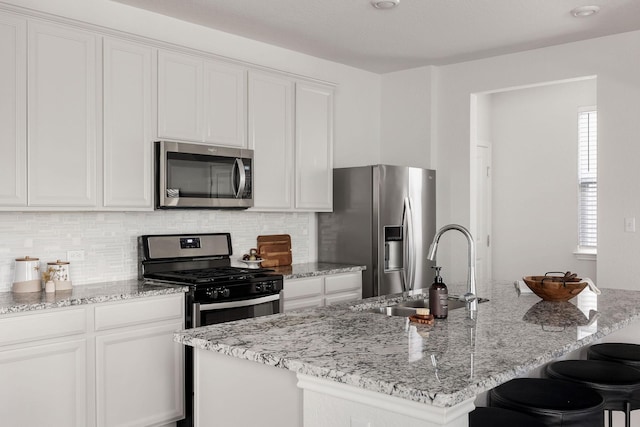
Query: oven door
[{"x": 219, "y": 312}]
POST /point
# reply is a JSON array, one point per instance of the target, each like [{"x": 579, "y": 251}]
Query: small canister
[
  {"x": 26, "y": 277},
  {"x": 61, "y": 278}
]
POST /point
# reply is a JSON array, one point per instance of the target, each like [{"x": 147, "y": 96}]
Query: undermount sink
[{"x": 409, "y": 308}]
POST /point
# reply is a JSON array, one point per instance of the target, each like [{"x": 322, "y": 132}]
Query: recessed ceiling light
[
  {"x": 384, "y": 4},
  {"x": 584, "y": 11}
]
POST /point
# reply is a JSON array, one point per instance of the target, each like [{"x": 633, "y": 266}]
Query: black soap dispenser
[{"x": 438, "y": 297}]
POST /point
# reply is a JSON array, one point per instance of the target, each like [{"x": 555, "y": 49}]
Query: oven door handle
[{"x": 235, "y": 304}]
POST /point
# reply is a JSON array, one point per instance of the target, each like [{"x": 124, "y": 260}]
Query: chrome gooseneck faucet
[{"x": 470, "y": 296}]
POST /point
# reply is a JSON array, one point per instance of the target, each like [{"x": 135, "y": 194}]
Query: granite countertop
[
  {"x": 312, "y": 269},
  {"x": 84, "y": 294},
  {"x": 443, "y": 365}
]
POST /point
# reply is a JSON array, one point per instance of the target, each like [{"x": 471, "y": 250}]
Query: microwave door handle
[{"x": 238, "y": 168}]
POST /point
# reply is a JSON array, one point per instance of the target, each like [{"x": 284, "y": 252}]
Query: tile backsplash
[{"x": 109, "y": 239}]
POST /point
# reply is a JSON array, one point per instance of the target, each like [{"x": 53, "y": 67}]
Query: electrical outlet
[
  {"x": 630, "y": 225},
  {"x": 75, "y": 255}
]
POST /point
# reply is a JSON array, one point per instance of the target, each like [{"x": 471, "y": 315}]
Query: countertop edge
[
  {"x": 89, "y": 294},
  {"x": 315, "y": 269}
]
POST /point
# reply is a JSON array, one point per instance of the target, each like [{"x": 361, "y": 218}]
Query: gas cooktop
[{"x": 211, "y": 275}]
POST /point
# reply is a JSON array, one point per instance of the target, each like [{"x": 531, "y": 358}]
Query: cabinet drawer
[
  {"x": 52, "y": 324},
  {"x": 343, "y": 282},
  {"x": 343, "y": 297},
  {"x": 144, "y": 310},
  {"x": 301, "y": 288},
  {"x": 295, "y": 304}
]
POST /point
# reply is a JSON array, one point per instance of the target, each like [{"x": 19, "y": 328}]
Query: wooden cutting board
[{"x": 275, "y": 250}]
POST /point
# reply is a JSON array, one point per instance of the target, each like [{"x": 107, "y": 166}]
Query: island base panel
[
  {"x": 340, "y": 405},
  {"x": 237, "y": 392}
]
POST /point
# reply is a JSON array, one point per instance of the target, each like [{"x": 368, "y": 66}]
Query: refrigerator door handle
[
  {"x": 405, "y": 232},
  {"x": 410, "y": 245}
]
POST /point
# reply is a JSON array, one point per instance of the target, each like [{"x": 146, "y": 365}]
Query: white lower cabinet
[
  {"x": 110, "y": 364},
  {"x": 320, "y": 291},
  {"x": 44, "y": 385},
  {"x": 139, "y": 368},
  {"x": 44, "y": 373},
  {"x": 139, "y": 376}
]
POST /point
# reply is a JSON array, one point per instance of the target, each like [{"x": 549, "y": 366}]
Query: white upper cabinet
[
  {"x": 314, "y": 147},
  {"x": 201, "y": 100},
  {"x": 78, "y": 119},
  {"x": 13, "y": 111},
  {"x": 180, "y": 100},
  {"x": 293, "y": 146},
  {"x": 128, "y": 137},
  {"x": 62, "y": 136},
  {"x": 271, "y": 138},
  {"x": 225, "y": 91}
]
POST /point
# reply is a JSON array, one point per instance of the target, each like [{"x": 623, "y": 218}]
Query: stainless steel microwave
[{"x": 202, "y": 176}]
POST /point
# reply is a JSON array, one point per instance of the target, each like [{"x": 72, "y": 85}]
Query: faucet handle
[{"x": 468, "y": 297}]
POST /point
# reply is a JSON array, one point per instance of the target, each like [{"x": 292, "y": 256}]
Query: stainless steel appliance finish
[
  {"x": 202, "y": 176},
  {"x": 385, "y": 218},
  {"x": 217, "y": 292}
]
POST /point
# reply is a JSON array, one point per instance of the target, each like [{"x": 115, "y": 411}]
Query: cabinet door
[
  {"x": 45, "y": 385},
  {"x": 271, "y": 138},
  {"x": 13, "y": 113},
  {"x": 62, "y": 113},
  {"x": 314, "y": 147},
  {"x": 225, "y": 89},
  {"x": 180, "y": 100},
  {"x": 140, "y": 376},
  {"x": 127, "y": 125}
]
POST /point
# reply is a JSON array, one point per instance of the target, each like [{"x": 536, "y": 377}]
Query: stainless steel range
[{"x": 217, "y": 292}]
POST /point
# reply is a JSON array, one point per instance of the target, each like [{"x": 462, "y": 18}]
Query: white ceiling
[{"x": 416, "y": 33}]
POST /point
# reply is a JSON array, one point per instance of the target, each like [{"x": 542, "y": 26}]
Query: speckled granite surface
[
  {"x": 444, "y": 364},
  {"x": 84, "y": 294},
  {"x": 312, "y": 269}
]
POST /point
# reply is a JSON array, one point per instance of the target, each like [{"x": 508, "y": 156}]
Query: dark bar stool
[
  {"x": 555, "y": 403},
  {"x": 491, "y": 417},
  {"x": 627, "y": 354},
  {"x": 618, "y": 384}
]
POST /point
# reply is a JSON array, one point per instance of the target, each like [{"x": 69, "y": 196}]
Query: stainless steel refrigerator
[{"x": 383, "y": 217}]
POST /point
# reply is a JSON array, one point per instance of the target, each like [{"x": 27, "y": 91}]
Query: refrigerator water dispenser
[{"x": 393, "y": 244}]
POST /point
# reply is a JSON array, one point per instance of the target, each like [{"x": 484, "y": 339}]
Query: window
[{"x": 587, "y": 180}]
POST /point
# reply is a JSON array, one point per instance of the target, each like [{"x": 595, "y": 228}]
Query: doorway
[{"x": 524, "y": 179}]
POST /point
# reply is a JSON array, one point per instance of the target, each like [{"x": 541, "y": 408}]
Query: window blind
[{"x": 588, "y": 178}]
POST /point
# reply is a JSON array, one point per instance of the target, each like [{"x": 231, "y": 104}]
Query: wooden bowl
[{"x": 555, "y": 288}]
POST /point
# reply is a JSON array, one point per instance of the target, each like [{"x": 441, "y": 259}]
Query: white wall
[
  {"x": 49, "y": 235},
  {"x": 534, "y": 172},
  {"x": 615, "y": 60},
  {"x": 406, "y": 113}
]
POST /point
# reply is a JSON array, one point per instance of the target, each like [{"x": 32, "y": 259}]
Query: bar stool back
[
  {"x": 627, "y": 354},
  {"x": 555, "y": 403},
  {"x": 618, "y": 384},
  {"x": 491, "y": 417}
]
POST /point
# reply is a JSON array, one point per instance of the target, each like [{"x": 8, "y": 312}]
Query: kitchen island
[{"x": 347, "y": 366}]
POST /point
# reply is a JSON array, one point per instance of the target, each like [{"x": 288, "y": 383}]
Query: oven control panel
[
  {"x": 190, "y": 243},
  {"x": 238, "y": 291}
]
